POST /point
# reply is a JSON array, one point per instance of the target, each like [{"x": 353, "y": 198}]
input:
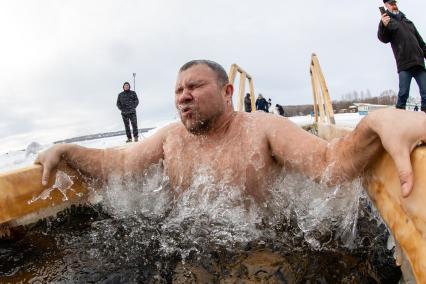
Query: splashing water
[
  {"x": 143, "y": 230},
  {"x": 63, "y": 183}
]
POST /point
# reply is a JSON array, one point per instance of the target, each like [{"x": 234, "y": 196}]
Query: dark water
[{"x": 86, "y": 245}]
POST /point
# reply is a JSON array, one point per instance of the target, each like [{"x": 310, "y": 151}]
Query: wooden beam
[
  {"x": 232, "y": 73},
  {"x": 324, "y": 89},
  {"x": 252, "y": 100},
  {"x": 314, "y": 96},
  {"x": 405, "y": 217},
  {"x": 240, "y": 106},
  {"x": 21, "y": 191},
  {"x": 320, "y": 98}
]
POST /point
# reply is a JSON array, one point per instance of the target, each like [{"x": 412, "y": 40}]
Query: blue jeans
[{"x": 405, "y": 77}]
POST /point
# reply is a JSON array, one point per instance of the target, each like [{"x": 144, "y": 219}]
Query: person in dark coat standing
[
  {"x": 280, "y": 109},
  {"x": 127, "y": 102},
  {"x": 247, "y": 103},
  {"x": 408, "y": 48},
  {"x": 261, "y": 103}
]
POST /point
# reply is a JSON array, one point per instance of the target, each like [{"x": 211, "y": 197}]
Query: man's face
[
  {"x": 199, "y": 98},
  {"x": 126, "y": 87},
  {"x": 392, "y": 6}
]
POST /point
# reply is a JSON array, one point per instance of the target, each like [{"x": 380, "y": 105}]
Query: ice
[{"x": 63, "y": 182}]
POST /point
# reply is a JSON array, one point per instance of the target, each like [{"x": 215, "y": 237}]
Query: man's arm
[
  {"x": 396, "y": 131},
  {"x": 136, "y": 100},
  {"x": 383, "y": 34},
  {"x": 101, "y": 164},
  {"x": 421, "y": 42},
  {"x": 385, "y": 26},
  {"x": 119, "y": 103}
]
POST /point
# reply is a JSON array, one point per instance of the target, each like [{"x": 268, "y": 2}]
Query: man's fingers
[
  {"x": 405, "y": 171},
  {"x": 46, "y": 174}
]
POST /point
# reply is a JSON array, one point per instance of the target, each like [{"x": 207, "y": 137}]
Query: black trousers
[{"x": 130, "y": 117}]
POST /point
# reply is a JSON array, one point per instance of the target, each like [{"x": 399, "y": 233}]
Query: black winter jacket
[
  {"x": 127, "y": 102},
  {"x": 408, "y": 46},
  {"x": 262, "y": 104},
  {"x": 247, "y": 104}
]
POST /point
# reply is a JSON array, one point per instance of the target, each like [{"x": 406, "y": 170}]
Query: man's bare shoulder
[{"x": 171, "y": 129}]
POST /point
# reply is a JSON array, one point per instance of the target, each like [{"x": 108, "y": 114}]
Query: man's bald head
[{"x": 222, "y": 77}]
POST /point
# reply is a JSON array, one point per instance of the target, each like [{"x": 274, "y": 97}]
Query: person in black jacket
[
  {"x": 408, "y": 48},
  {"x": 261, "y": 103},
  {"x": 247, "y": 103},
  {"x": 127, "y": 102}
]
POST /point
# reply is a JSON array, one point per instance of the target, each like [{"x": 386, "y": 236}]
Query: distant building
[
  {"x": 364, "y": 109},
  {"x": 353, "y": 109}
]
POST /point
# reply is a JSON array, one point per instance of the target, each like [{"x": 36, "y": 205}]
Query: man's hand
[
  {"x": 49, "y": 160},
  {"x": 400, "y": 132},
  {"x": 385, "y": 19}
]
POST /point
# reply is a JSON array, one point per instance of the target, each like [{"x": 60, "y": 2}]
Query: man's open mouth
[{"x": 186, "y": 110}]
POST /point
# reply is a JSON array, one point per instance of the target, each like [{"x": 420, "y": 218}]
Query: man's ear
[{"x": 229, "y": 90}]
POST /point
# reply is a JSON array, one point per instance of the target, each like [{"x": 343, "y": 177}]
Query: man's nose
[{"x": 185, "y": 97}]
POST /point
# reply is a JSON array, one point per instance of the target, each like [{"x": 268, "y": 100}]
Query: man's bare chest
[{"x": 239, "y": 162}]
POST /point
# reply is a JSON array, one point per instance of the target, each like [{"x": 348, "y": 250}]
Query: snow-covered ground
[
  {"x": 342, "y": 119},
  {"x": 17, "y": 159}
]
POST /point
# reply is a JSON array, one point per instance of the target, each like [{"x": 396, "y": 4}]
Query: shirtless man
[{"x": 245, "y": 149}]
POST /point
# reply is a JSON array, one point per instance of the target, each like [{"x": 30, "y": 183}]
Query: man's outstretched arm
[
  {"x": 396, "y": 131},
  {"x": 100, "y": 164}
]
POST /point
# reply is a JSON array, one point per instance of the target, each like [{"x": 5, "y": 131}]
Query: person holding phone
[{"x": 409, "y": 51}]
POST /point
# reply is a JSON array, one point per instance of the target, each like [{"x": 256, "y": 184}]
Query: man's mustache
[{"x": 183, "y": 107}]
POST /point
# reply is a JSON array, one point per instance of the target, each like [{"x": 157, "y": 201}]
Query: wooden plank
[
  {"x": 324, "y": 89},
  {"x": 252, "y": 100},
  {"x": 21, "y": 191},
  {"x": 315, "y": 96},
  {"x": 320, "y": 99},
  {"x": 232, "y": 73},
  {"x": 405, "y": 217},
  {"x": 242, "y": 87}
]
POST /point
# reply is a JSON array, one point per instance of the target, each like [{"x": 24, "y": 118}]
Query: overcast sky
[{"x": 62, "y": 63}]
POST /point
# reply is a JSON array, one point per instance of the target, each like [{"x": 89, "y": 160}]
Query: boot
[
  {"x": 136, "y": 139},
  {"x": 128, "y": 140}
]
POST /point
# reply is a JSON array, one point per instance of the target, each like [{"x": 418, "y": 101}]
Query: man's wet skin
[
  {"x": 245, "y": 150},
  {"x": 237, "y": 157},
  {"x": 213, "y": 138}
]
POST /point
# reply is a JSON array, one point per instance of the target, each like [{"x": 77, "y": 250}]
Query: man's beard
[
  {"x": 395, "y": 11},
  {"x": 198, "y": 125}
]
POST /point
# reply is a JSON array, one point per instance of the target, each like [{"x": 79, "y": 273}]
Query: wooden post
[
  {"x": 232, "y": 73},
  {"x": 241, "y": 90},
  {"x": 315, "y": 96},
  {"x": 320, "y": 98},
  {"x": 324, "y": 89},
  {"x": 253, "y": 106},
  {"x": 240, "y": 106}
]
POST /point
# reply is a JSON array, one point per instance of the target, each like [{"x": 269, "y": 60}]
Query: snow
[{"x": 18, "y": 159}]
